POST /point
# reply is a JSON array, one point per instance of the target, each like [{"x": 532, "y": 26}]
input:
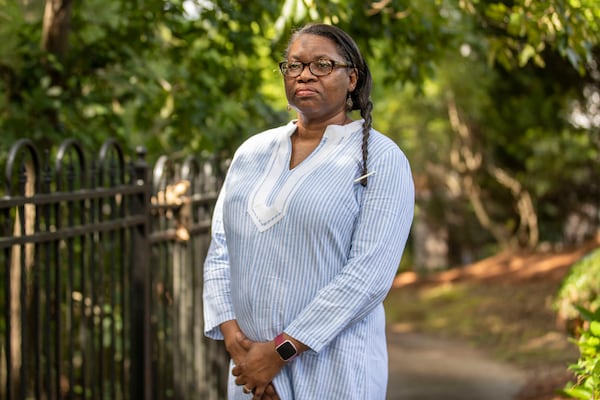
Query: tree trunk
[
  {"x": 528, "y": 231},
  {"x": 57, "y": 22},
  {"x": 55, "y": 41},
  {"x": 467, "y": 160}
]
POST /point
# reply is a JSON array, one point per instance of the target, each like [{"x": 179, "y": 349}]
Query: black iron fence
[{"x": 101, "y": 273}]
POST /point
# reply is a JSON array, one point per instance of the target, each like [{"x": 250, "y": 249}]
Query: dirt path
[{"x": 424, "y": 368}]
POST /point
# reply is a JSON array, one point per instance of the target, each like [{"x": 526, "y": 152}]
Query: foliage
[
  {"x": 182, "y": 76},
  {"x": 579, "y": 297},
  {"x": 514, "y": 125},
  {"x": 146, "y": 75},
  {"x": 522, "y": 31},
  {"x": 580, "y": 288},
  {"x": 587, "y": 368}
]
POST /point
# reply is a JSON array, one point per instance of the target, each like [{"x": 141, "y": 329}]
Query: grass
[{"x": 511, "y": 322}]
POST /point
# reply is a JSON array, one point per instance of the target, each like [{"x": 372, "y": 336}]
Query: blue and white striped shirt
[{"x": 311, "y": 252}]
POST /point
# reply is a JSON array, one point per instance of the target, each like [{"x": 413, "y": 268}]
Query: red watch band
[
  {"x": 285, "y": 348},
  {"x": 279, "y": 339}
]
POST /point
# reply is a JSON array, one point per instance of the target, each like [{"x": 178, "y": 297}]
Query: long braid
[{"x": 365, "y": 112}]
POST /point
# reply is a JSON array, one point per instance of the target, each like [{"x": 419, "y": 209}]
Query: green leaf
[
  {"x": 526, "y": 54},
  {"x": 585, "y": 313},
  {"x": 578, "y": 393},
  {"x": 596, "y": 371},
  {"x": 595, "y": 328}
]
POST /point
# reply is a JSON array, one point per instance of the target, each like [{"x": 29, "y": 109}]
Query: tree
[
  {"x": 492, "y": 141},
  {"x": 186, "y": 75}
]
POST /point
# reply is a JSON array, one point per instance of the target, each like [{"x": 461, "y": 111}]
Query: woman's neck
[{"x": 313, "y": 129}]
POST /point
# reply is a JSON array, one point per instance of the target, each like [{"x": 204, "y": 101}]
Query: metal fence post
[{"x": 141, "y": 373}]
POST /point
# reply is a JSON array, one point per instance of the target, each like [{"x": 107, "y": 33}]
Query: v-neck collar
[{"x": 270, "y": 198}]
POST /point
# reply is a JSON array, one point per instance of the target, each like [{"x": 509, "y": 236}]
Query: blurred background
[{"x": 495, "y": 103}]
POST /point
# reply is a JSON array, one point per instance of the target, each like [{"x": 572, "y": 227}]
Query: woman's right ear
[{"x": 353, "y": 80}]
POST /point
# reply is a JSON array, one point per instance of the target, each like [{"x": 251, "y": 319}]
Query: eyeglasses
[{"x": 320, "y": 67}]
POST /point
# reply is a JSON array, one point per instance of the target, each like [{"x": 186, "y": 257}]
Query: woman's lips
[{"x": 304, "y": 92}]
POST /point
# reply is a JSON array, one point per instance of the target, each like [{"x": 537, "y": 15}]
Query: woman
[{"x": 308, "y": 233}]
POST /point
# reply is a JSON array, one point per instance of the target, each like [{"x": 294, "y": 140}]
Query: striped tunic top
[{"x": 311, "y": 252}]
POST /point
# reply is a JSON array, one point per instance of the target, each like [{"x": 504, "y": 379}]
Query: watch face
[{"x": 286, "y": 350}]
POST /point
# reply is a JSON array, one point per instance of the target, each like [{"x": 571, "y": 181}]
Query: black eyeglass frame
[{"x": 283, "y": 67}]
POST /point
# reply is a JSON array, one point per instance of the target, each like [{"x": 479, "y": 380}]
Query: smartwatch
[{"x": 285, "y": 348}]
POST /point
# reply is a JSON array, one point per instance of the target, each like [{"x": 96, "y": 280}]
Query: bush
[
  {"x": 578, "y": 299},
  {"x": 580, "y": 288},
  {"x": 587, "y": 368}
]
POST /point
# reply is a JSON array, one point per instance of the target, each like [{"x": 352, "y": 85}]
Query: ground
[
  {"x": 501, "y": 306},
  {"x": 425, "y": 367}
]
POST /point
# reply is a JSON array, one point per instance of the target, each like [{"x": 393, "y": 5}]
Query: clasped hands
[{"x": 256, "y": 364}]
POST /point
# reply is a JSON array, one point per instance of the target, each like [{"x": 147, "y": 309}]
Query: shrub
[
  {"x": 587, "y": 368},
  {"x": 578, "y": 299},
  {"x": 580, "y": 288}
]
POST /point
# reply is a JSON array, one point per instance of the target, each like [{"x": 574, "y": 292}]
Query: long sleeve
[
  {"x": 217, "y": 292},
  {"x": 377, "y": 246}
]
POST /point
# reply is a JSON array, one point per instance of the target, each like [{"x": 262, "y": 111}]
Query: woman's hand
[
  {"x": 257, "y": 370},
  {"x": 270, "y": 393},
  {"x": 238, "y": 345},
  {"x": 230, "y": 330}
]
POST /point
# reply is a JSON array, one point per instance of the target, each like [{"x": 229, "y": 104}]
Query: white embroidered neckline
[{"x": 270, "y": 198}]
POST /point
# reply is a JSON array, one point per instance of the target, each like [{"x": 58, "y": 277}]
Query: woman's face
[{"x": 318, "y": 97}]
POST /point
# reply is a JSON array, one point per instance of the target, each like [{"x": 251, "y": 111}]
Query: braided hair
[{"x": 360, "y": 97}]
